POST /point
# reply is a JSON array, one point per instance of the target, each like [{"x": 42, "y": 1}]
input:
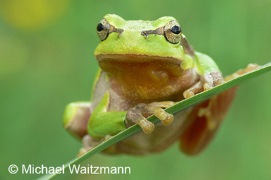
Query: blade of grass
[{"x": 176, "y": 108}]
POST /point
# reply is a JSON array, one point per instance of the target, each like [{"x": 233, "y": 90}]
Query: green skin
[{"x": 107, "y": 112}]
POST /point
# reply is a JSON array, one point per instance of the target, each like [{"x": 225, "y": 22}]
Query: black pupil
[
  {"x": 175, "y": 29},
  {"x": 100, "y": 27}
]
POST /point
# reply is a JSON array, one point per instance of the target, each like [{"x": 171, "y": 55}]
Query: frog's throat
[
  {"x": 140, "y": 68},
  {"x": 147, "y": 77}
]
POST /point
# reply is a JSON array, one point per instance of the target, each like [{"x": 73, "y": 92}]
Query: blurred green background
[{"x": 46, "y": 61}]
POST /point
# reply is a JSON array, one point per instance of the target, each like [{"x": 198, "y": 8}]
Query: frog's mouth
[{"x": 134, "y": 58}]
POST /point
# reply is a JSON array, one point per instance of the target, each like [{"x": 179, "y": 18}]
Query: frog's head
[
  {"x": 146, "y": 60},
  {"x": 139, "y": 40}
]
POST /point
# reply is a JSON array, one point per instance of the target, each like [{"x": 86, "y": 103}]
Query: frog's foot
[
  {"x": 76, "y": 117},
  {"x": 204, "y": 121},
  {"x": 249, "y": 68},
  {"x": 206, "y": 82},
  {"x": 88, "y": 144},
  {"x": 138, "y": 114}
]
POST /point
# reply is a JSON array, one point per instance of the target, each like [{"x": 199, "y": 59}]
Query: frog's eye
[
  {"x": 103, "y": 29},
  {"x": 172, "y": 32}
]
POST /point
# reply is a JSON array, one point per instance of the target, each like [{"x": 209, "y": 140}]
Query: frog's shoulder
[{"x": 206, "y": 63}]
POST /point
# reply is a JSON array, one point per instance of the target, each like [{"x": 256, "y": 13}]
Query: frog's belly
[{"x": 160, "y": 139}]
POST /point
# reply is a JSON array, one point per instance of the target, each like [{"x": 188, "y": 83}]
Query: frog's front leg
[
  {"x": 212, "y": 79},
  {"x": 210, "y": 75},
  {"x": 138, "y": 114},
  {"x": 206, "y": 82}
]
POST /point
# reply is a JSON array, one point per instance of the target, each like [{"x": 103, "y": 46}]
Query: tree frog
[{"x": 145, "y": 67}]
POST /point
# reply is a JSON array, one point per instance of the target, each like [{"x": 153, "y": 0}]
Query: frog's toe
[
  {"x": 196, "y": 88},
  {"x": 82, "y": 151},
  {"x": 88, "y": 144},
  {"x": 167, "y": 119},
  {"x": 138, "y": 114},
  {"x": 134, "y": 116},
  {"x": 146, "y": 126},
  {"x": 249, "y": 68},
  {"x": 188, "y": 94},
  {"x": 160, "y": 113},
  {"x": 207, "y": 86}
]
